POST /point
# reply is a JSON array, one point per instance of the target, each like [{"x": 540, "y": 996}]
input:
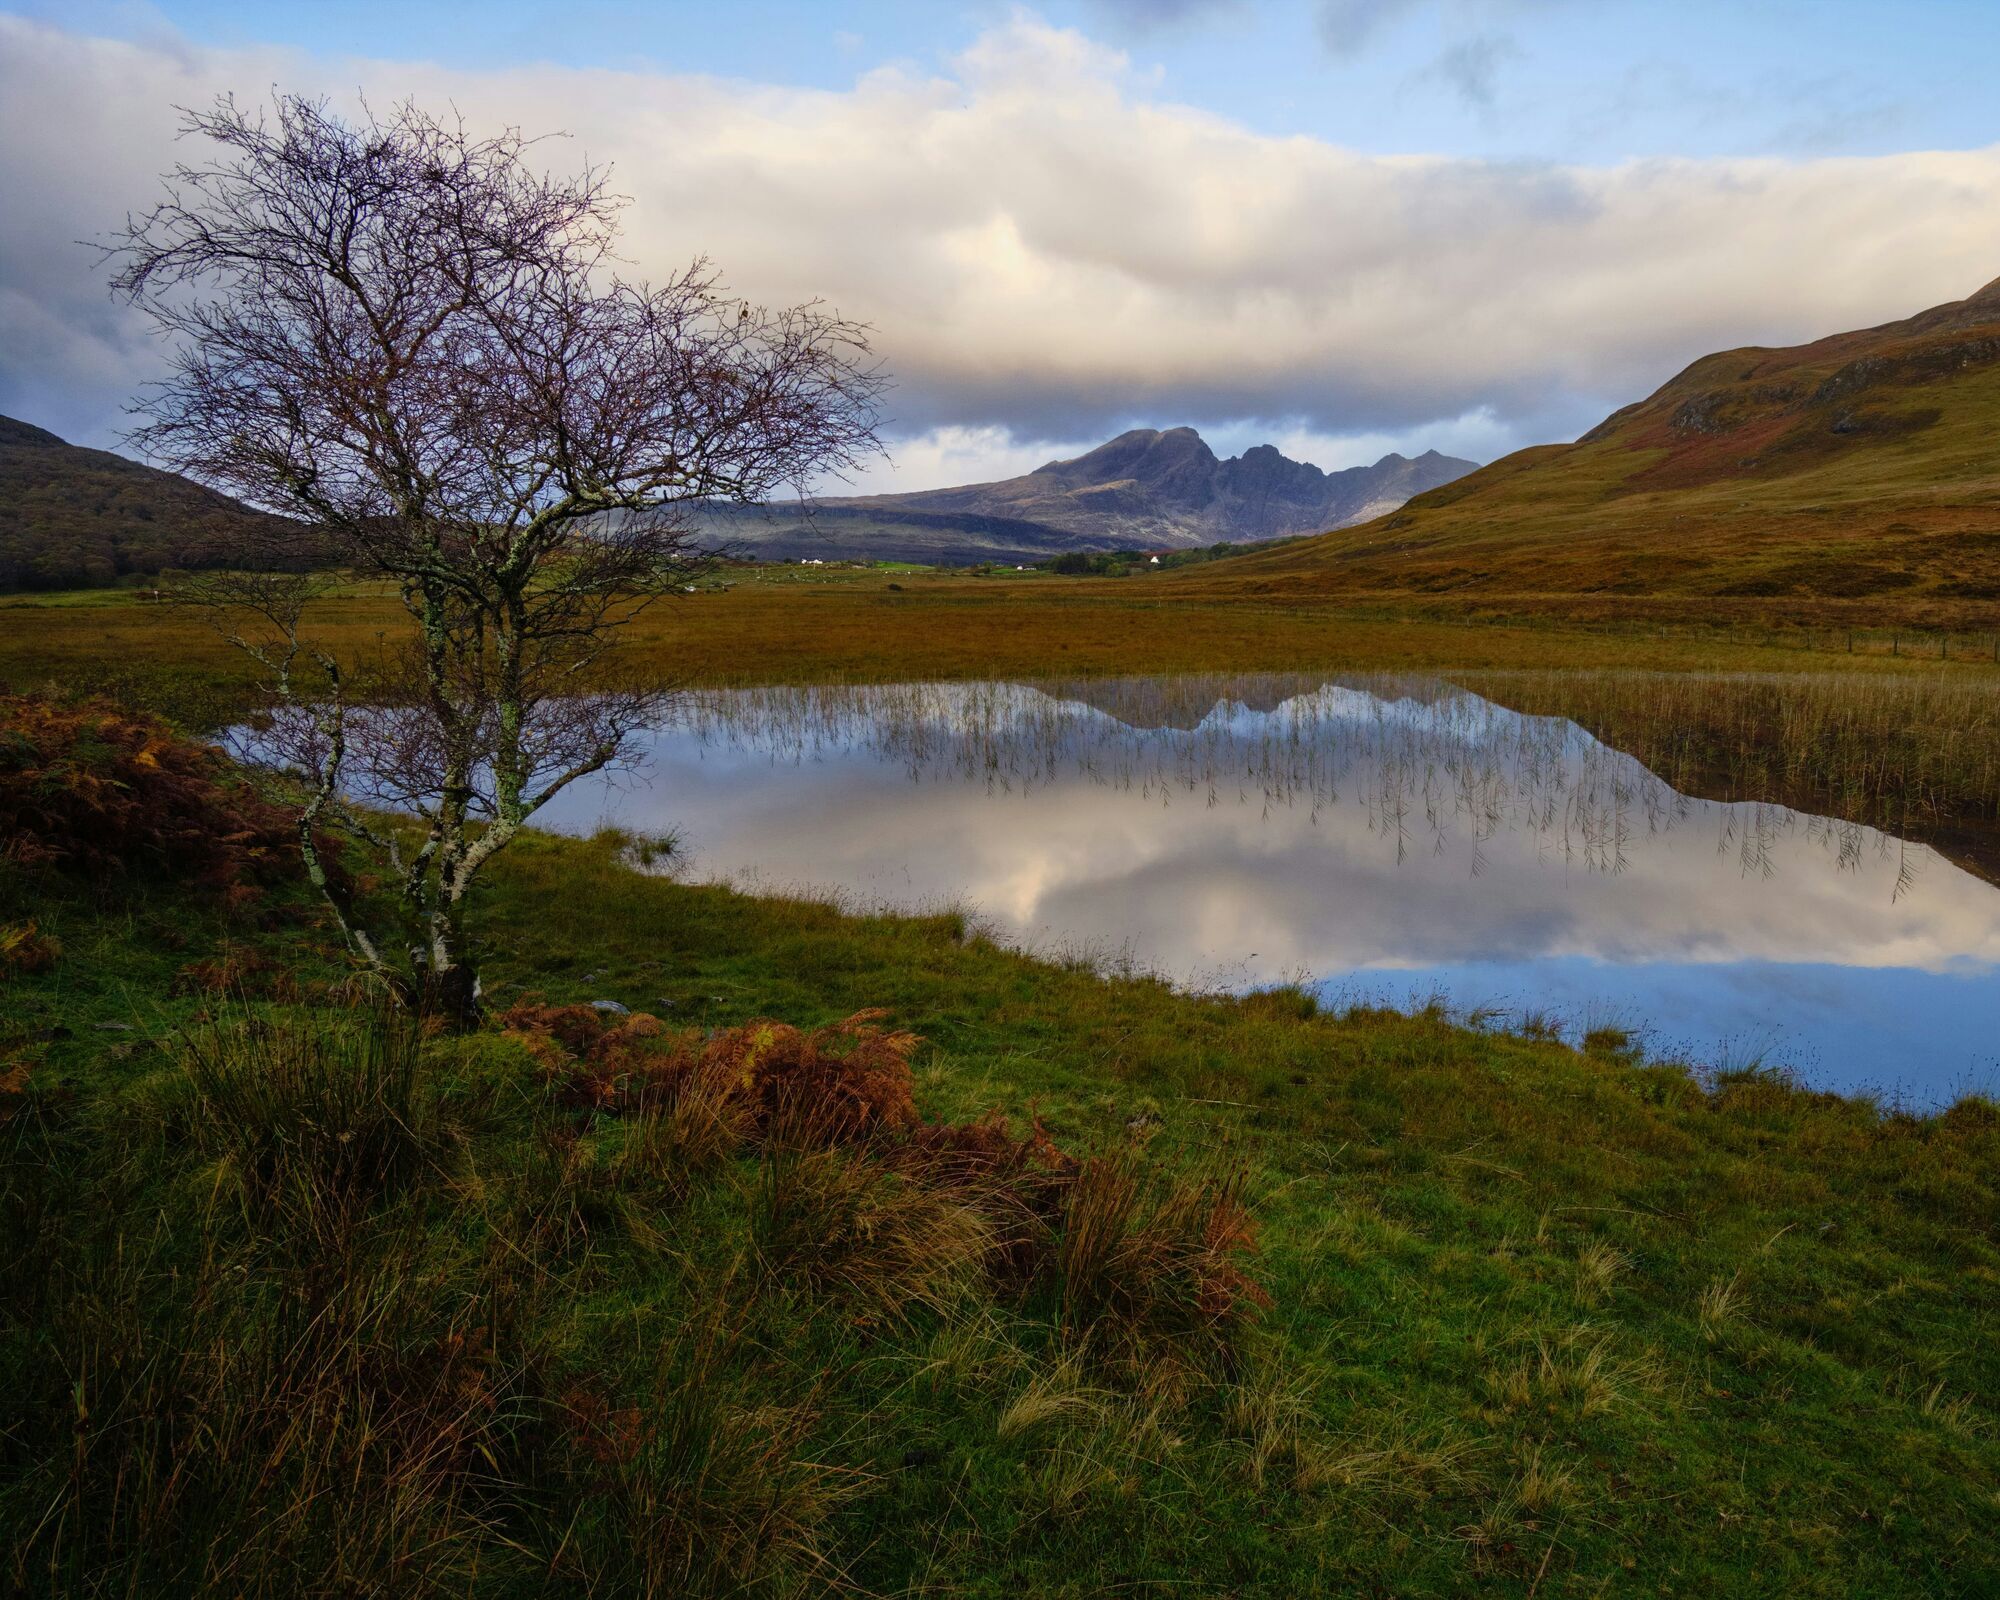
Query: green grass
[{"x": 300, "y": 1304}]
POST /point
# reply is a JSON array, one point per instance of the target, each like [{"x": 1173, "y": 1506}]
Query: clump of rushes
[
  {"x": 314, "y": 1121},
  {"x": 1156, "y": 1264}
]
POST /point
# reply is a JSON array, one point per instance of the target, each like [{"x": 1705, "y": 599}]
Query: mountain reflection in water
[{"x": 1385, "y": 839}]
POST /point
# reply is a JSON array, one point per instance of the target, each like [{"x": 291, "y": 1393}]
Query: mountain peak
[
  {"x": 1153, "y": 488},
  {"x": 1144, "y": 455}
]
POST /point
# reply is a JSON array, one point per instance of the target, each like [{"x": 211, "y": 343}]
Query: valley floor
[
  {"x": 789, "y": 625},
  {"x": 1143, "y": 1291}
]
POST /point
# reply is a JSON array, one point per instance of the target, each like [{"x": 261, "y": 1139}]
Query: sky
[{"x": 1339, "y": 226}]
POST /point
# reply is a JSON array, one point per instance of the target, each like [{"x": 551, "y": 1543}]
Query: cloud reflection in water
[{"x": 1382, "y": 836}]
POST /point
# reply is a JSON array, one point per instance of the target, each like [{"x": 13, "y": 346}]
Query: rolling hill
[
  {"x": 1861, "y": 466},
  {"x": 1147, "y": 489},
  {"x": 76, "y": 518}
]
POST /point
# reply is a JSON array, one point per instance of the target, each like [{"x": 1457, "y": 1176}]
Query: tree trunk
[{"x": 452, "y": 993}]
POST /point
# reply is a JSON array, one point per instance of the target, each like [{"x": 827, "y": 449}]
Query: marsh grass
[
  {"x": 851, "y": 627},
  {"x": 1892, "y": 752}
]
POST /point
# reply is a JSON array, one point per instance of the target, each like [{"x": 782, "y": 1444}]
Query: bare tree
[{"x": 419, "y": 345}]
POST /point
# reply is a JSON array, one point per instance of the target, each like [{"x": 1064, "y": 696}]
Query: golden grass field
[{"x": 774, "y": 626}]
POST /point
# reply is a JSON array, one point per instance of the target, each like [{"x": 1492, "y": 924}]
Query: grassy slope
[
  {"x": 1859, "y": 467},
  {"x": 1544, "y": 1322},
  {"x": 71, "y": 516}
]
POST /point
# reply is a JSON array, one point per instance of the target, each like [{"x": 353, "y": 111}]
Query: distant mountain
[
  {"x": 1146, "y": 490},
  {"x": 72, "y": 518},
  {"x": 1862, "y": 466}
]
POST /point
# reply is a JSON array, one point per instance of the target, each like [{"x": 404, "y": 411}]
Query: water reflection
[{"x": 1385, "y": 838}]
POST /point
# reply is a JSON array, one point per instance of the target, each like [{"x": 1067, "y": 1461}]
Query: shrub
[{"x": 844, "y": 1083}]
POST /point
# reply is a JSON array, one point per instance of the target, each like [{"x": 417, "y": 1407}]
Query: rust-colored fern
[{"x": 94, "y": 791}]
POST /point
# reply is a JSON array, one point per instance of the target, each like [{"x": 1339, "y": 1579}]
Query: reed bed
[
  {"x": 1884, "y": 750},
  {"x": 1429, "y": 760}
]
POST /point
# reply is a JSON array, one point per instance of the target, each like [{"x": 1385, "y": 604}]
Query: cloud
[
  {"x": 952, "y": 455},
  {"x": 1048, "y": 252},
  {"x": 1347, "y": 27},
  {"x": 1472, "y": 65},
  {"x": 1143, "y": 16}
]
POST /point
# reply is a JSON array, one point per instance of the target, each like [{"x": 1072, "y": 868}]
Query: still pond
[{"x": 1381, "y": 840}]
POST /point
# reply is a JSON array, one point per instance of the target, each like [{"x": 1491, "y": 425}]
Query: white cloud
[
  {"x": 946, "y": 457},
  {"x": 1048, "y": 252}
]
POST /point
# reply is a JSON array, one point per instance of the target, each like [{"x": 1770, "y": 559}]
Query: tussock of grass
[
  {"x": 1599, "y": 1265},
  {"x": 311, "y": 1120},
  {"x": 1720, "y": 1304},
  {"x": 850, "y": 1228},
  {"x": 1061, "y": 1392},
  {"x": 1160, "y": 1268}
]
